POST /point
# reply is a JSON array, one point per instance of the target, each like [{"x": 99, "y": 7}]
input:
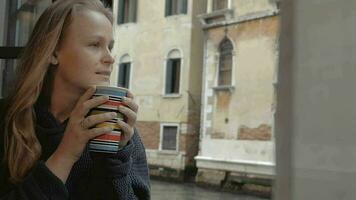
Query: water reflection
[{"x": 188, "y": 191}]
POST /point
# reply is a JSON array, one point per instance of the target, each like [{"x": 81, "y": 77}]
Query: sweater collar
[{"x": 46, "y": 120}]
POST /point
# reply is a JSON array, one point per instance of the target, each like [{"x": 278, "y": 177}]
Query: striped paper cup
[{"x": 108, "y": 142}]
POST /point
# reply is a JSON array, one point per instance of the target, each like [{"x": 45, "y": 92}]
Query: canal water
[{"x": 162, "y": 190}]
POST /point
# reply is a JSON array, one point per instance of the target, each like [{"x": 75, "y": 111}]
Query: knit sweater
[{"x": 123, "y": 175}]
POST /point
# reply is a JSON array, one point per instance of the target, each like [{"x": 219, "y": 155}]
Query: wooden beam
[{"x": 10, "y": 52}]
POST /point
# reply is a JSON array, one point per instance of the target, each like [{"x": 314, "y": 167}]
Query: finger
[
  {"x": 87, "y": 95},
  {"x": 127, "y": 130},
  {"x": 130, "y": 115},
  {"x": 92, "y": 103},
  {"x": 131, "y": 104},
  {"x": 95, "y": 132},
  {"x": 129, "y": 94},
  {"x": 92, "y": 120}
]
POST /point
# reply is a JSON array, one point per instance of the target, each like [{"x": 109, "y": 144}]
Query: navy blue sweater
[{"x": 120, "y": 176}]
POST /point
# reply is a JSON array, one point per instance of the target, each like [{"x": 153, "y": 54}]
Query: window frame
[
  {"x": 221, "y": 53},
  {"x": 174, "y": 63},
  {"x": 180, "y": 5},
  {"x": 215, "y": 5},
  {"x": 8, "y": 52},
  {"x": 129, "y": 8},
  {"x": 169, "y": 57},
  {"x": 125, "y": 58},
  {"x": 162, "y": 125},
  {"x": 128, "y": 82}
]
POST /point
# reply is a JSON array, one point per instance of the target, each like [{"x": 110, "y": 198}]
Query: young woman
[{"x": 44, "y": 127}]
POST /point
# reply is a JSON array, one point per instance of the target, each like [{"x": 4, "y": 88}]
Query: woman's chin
[
  {"x": 104, "y": 83},
  {"x": 94, "y": 82}
]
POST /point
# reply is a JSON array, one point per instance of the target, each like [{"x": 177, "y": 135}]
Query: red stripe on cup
[
  {"x": 114, "y": 103},
  {"x": 109, "y": 137}
]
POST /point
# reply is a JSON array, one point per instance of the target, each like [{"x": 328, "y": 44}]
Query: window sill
[
  {"x": 230, "y": 88},
  {"x": 126, "y": 24},
  {"x": 168, "y": 152},
  {"x": 216, "y": 17},
  {"x": 173, "y": 96},
  {"x": 175, "y": 15}
]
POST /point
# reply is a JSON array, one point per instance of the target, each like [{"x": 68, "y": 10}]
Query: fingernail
[{"x": 113, "y": 114}]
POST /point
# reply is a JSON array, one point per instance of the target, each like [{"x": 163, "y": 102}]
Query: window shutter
[
  {"x": 176, "y": 76},
  {"x": 225, "y": 69},
  {"x": 225, "y": 63},
  {"x": 133, "y": 10},
  {"x": 127, "y": 74},
  {"x": 184, "y": 8},
  {"x": 121, "y": 13},
  {"x": 169, "y": 77},
  {"x": 169, "y": 138},
  {"x": 121, "y": 80},
  {"x": 168, "y": 8}
]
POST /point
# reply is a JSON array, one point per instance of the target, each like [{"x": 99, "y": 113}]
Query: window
[
  {"x": 173, "y": 76},
  {"x": 220, "y": 4},
  {"x": 169, "y": 137},
  {"x": 124, "y": 75},
  {"x": 173, "y": 73},
  {"x": 175, "y": 7},
  {"x": 124, "y": 71},
  {"x": 225, "y": 63},
  {"x": 17, "y": 20},
  {"x": 127, "y": 11}
]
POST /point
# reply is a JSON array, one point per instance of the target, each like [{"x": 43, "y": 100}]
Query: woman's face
[{"x": 84, "y": 55}]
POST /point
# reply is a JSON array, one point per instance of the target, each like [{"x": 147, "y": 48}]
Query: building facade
[
  {"x": 159, "y": 58},
  {"x": 238, "y": 95}
]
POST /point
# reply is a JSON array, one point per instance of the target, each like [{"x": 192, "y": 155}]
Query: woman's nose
[{"x": 109, "y": 58}]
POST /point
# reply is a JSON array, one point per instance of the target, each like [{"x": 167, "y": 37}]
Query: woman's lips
[
  {"x": 106, "y": 73},
  {"x": 104, "y": 77}
]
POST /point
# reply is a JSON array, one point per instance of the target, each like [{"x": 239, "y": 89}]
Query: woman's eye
[{"x": 96, "y": 44}]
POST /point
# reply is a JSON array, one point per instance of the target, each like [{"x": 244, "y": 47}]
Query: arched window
[
  {"x": 173, "y": 68},
  {"x": 225, "y": 62},
  {"x": 124, "y": 71}
]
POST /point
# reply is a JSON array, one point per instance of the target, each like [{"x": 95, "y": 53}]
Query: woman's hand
[
  {"x": 131, "y": 116},
  {"x": 78, "y": 133}
]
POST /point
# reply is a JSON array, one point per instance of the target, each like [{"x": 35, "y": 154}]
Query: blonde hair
[{"x": 34, "y": 79}]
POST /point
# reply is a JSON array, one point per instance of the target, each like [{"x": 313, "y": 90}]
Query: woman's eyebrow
[{"x": 102, "y": 38}]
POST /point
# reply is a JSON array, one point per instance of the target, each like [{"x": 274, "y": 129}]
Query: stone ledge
[
  {"x": 236, "y": 20},
  {"x": 173, "y": 160},
  {"x": 261, "y": 168},
  {"x": 235, "y": 182}
]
